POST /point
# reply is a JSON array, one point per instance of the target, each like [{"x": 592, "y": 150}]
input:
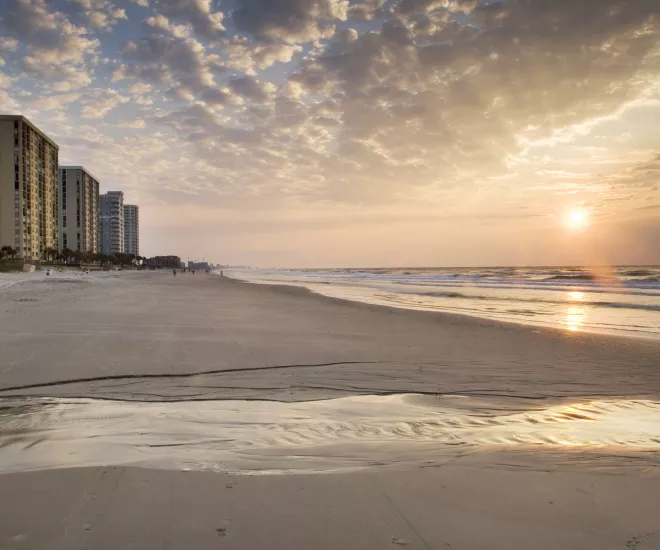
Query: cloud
[
  {"x": 54, "y": 102},
  {"x": 365, "y": 10},
  {"x": 163, "y": 24},
  {"x": 649, "y": 207},
  {"x": 291, "y": 21},
  {"x": 247, "y": 56},
  {"x": 101, "y": 14},
  {"x": 167, "y": 60},
  {"x": 9, "y": 105},
  {"x": 250, "y": 89},
  {"x": 8, "y": 44},
  {"x": 98, "y": 102},
  {"x": 56, "y": 49},
  {"x": 198, "y": 13},
  {"x": 132, "y": 124},
  {"x": 140, "y": 88},
  {"x": 644, "y": 175}
]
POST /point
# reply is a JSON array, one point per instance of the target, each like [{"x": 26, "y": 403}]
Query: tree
[
  {"x": 4, "y": 252},
  {"x": 50, "y": 254},
  {"x": 67, "y": 253}
]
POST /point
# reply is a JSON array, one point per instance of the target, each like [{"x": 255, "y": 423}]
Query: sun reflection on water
[
  {"x": 576, "y": 296},
  {"x": 575, "y": 318}
]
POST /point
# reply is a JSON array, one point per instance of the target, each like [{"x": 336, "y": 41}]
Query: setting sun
[{"x": 576, "y": 218}]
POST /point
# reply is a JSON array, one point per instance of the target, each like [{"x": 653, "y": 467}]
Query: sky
[{"x": 332, "y": 133}]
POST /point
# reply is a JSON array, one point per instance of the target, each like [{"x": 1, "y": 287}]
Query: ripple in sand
[{"x": 338, "y": 434}]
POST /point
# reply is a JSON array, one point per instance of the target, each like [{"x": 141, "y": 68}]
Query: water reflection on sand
[{"x": 337, "y": 434}]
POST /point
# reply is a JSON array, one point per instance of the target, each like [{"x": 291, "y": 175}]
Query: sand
[{"x": 135, "y": 337}]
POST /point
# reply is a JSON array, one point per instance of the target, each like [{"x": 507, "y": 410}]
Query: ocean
[{"x": 610, "y": 300}]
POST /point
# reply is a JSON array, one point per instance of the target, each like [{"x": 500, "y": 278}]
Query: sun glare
[{"x": 576, "y": 218}]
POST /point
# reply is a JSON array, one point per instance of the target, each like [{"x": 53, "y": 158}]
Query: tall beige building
[
  {"x": 29, "y": 190},
  {"x": 79, "y": 214}
]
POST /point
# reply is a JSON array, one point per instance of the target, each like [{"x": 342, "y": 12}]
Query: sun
[{"x": 576, "y": 218}]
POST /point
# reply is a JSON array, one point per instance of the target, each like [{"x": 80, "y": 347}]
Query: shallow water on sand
[{"x": 332, "y": 435}]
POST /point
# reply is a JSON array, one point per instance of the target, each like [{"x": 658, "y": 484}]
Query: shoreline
[
  {"x": 259, "y": 328},
  {"x": 571, "y": 319},
  {"x": 305, "y": 291}
]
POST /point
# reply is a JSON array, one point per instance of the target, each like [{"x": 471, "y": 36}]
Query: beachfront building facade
[
  {"x": 29, "y": 189},
  {"x": 80, "y": 210},
  {"x": 112, "y": 222},
  {"x": 132, "y": 229}
]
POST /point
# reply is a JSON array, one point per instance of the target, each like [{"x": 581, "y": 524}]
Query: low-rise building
[{"x": 171, "y": 262}]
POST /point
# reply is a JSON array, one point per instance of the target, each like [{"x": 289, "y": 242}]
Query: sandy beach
[{"x": 364, "y": 426}]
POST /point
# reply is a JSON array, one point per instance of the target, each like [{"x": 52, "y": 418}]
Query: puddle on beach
[{"x": 273, "y": 437}]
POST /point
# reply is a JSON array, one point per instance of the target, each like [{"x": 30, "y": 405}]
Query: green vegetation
[
  {"x": 9, "y": 260},
  {"x": 8, "y": 252},
  {"x": 68, "y": 256}
]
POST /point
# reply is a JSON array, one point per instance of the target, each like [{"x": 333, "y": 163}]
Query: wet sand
[
  {"x": 154, "y": 336},
  {"x": 488, "y": 453}
]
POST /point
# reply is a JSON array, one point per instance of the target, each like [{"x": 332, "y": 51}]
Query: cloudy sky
[{"x": 356, "y": 132}]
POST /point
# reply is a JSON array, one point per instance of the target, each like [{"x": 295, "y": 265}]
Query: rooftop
[
  {"x": 35, "y": 128},
  {"x": 62, "y": 167}
]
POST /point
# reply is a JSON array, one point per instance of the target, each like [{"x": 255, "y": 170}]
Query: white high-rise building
[
  {"x": 29, "y": 189},
  {"x": 112, "y": 222},
  {"x": 132, "y": 229},
  {"x": 79, "y": 215}
]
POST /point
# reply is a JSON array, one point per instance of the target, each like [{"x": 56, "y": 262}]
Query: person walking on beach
[{"x": 174, "y": 272}]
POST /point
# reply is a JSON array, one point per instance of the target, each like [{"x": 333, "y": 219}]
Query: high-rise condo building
[
  {"x": 79, "y": 215},
  {"x": 132, "y": 229},
  {"x": 29, "y": 190},
  {"x": 112, "y": 222}
]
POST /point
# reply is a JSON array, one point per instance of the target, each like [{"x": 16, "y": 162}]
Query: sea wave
[
  {"x": 579, "y": 277},
  {"x": 596, "y": 303}
]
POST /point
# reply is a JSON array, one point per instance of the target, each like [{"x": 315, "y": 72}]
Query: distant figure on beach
[
  {"x": 174, "y": 272},
  {"x": 222, "y": 273}
]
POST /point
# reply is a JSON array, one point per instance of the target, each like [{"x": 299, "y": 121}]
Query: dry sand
[{"x": 154, "y": 337}]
